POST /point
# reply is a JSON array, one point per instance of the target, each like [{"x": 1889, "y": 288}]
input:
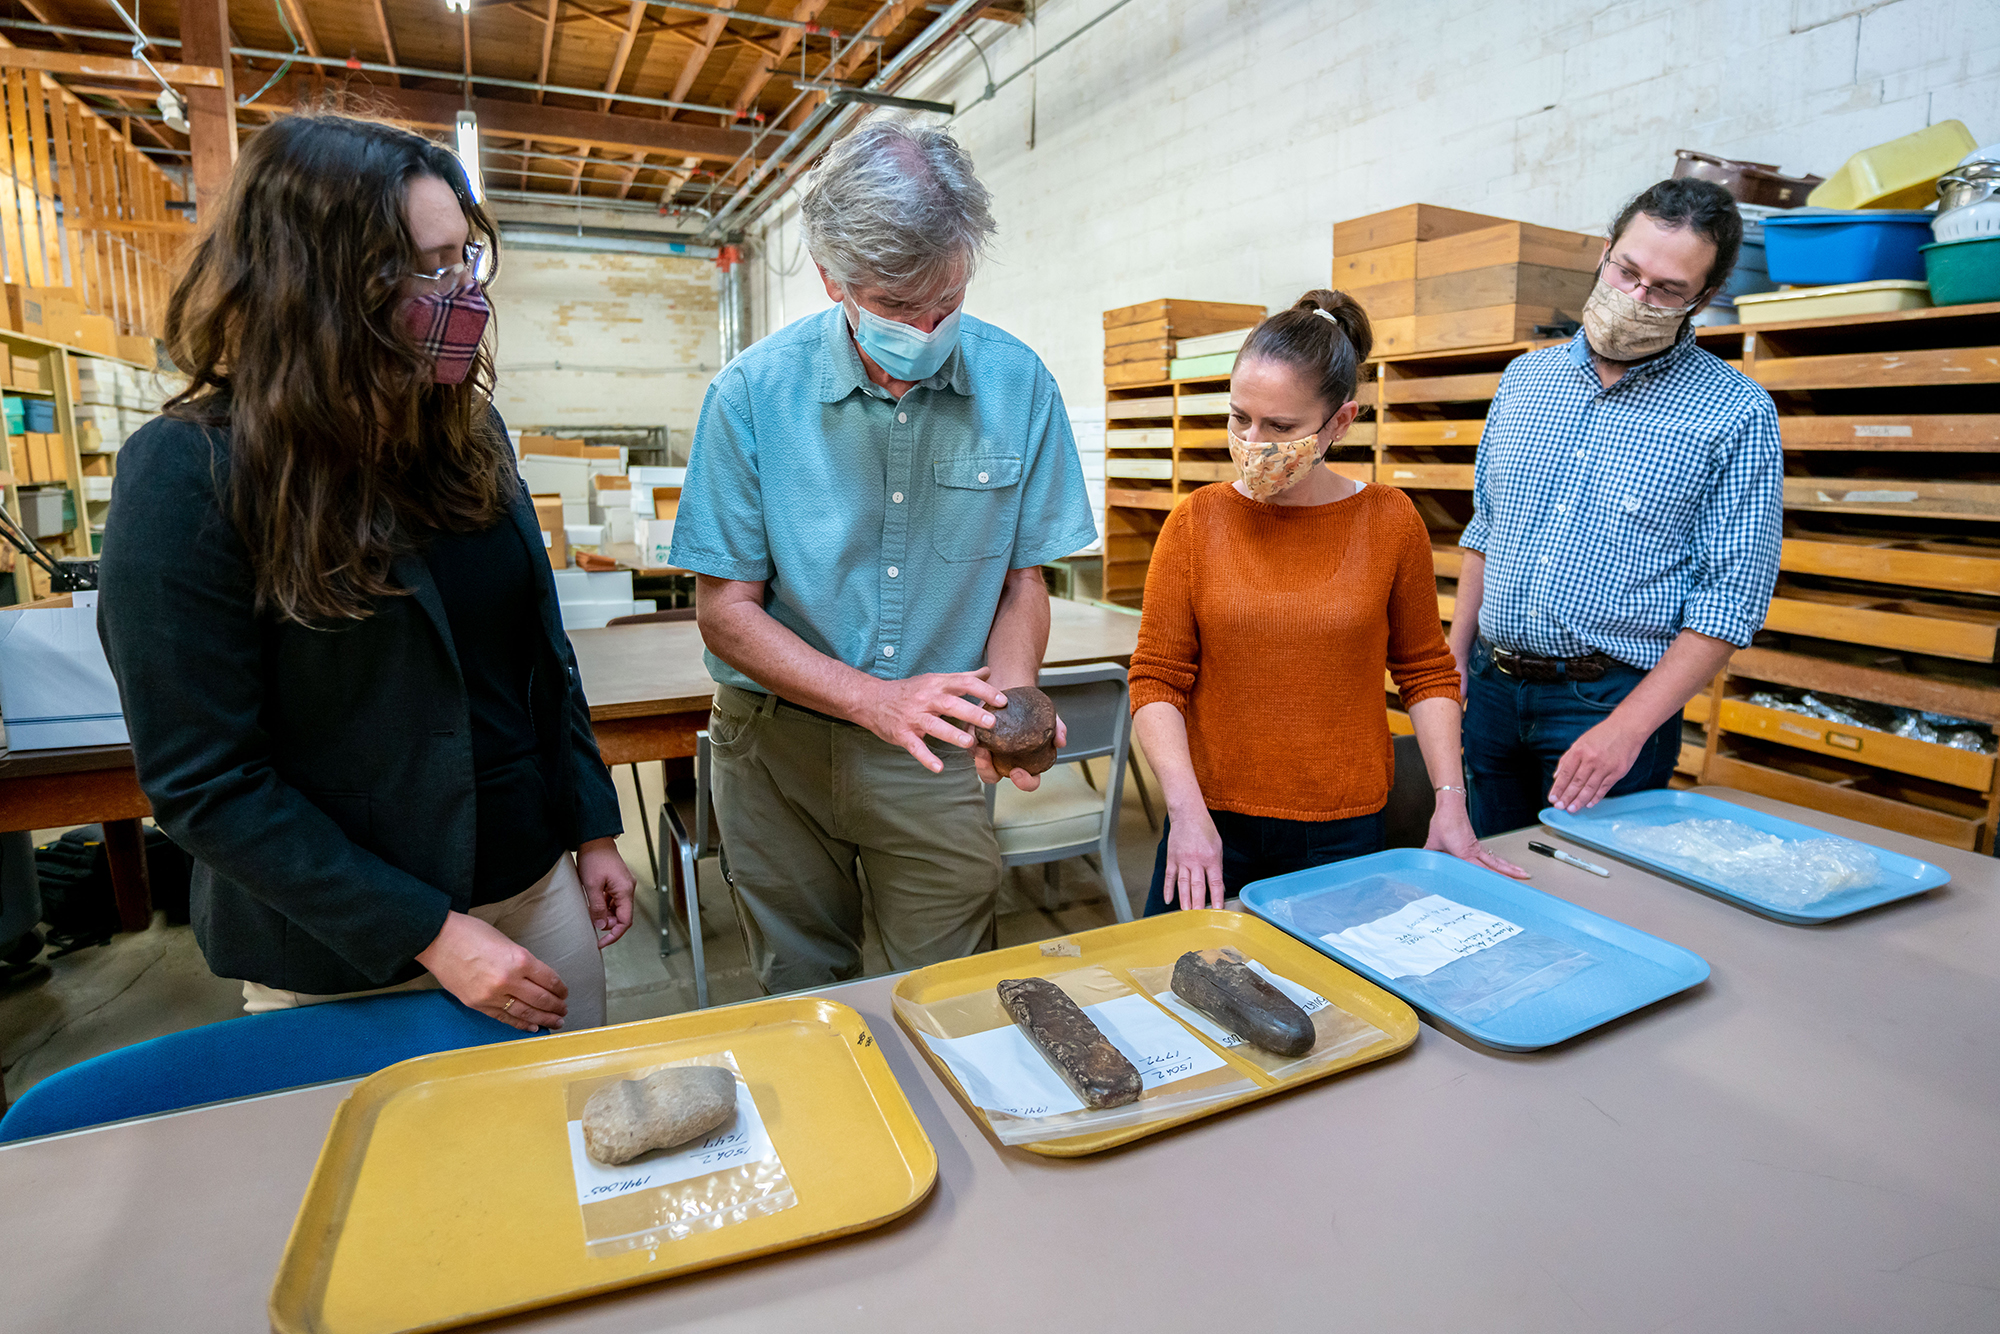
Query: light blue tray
[
  {"x": 1902, "y": 876},
  {"x": 1628, "y": 969}
]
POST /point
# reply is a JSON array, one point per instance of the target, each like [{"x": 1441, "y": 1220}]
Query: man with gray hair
[{"x": 871, "y": 495}]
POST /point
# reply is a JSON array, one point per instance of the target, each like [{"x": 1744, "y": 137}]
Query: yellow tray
[
  {"x": 444, "y": 1193},
  {"x": 1153, "y": 941}
]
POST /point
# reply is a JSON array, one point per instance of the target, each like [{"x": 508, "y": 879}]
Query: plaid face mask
[{"x": 448, "y": 326}]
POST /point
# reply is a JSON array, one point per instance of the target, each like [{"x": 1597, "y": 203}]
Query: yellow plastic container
[
  {"x": 1902, "y": 173},
  {"x": 1826, "y": 303}
]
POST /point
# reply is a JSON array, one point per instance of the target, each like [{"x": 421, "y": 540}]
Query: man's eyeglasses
[
  {"x": 453, "y": 277},
  {"x": 1631, "y": 284}
]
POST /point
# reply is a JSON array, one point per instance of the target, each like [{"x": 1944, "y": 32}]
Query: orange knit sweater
[{"x": 1269, "y": 626}]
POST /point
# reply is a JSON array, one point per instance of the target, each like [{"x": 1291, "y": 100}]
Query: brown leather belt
[{"x": 1534, "y": 667}]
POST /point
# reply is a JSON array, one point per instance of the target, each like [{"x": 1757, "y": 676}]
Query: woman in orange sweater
[{"x": 1273, "y": 606}]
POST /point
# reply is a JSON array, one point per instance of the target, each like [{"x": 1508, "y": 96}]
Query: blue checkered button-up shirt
[
  {"x": 883, "y": 529},
  {"x": 1613, "y": 519}
]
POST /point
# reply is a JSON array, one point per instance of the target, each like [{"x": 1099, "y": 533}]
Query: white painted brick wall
[
  {"x": 1203, "y": 149},
  {"x": 632, "y": 333}
]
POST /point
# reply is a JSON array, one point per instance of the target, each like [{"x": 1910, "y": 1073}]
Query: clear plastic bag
[
  {"x": 976, "y": 1039},
  {"x": 1336, "y": 1033},
  {"x": 1485, "y": 980},
  {"x": 660, "y": 1197},
  {"x": 1788, "y": 873}
]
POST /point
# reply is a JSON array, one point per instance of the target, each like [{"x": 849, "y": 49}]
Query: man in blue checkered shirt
[{"x": 1628, "y": 510}]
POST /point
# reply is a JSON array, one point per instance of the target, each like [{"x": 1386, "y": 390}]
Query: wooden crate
[
  {"x": 1508, "y": 243},
  {"x": 1411, "y": 222},
  {"x": 1504, "y": 285},
  {"x": 1186, "y": 319}
]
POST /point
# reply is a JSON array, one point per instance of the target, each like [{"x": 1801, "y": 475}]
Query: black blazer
[{"x": 322, "y": 778}]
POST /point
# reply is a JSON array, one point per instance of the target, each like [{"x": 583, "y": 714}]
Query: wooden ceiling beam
[
  {"x": 603, "y": 131},
  {"x": 704, "y": 47},
  {"x": 806, "y": 11},
  {"x": 636, "y": 12},
  {"x": 548, "y": 42},
  {"x": 388, "y": 42},
  {"x": 295, "y": 10}
]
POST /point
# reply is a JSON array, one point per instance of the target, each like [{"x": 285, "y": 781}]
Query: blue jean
[
  {"x": 1257, "y": 847},
  {"x": 1516, "y": 732}
]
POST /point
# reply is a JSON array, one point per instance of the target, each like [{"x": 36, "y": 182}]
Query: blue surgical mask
[{"x": 905, "y": 351}]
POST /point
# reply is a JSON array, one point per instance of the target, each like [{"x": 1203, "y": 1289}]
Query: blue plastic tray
[
  {"x": 1628, "y": 969},
  {"x": 1849, "y": 246},
  {"x": 1902, "y": 876}
]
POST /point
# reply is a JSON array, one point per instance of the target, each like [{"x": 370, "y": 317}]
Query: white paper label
[
  {"x": 1422, "y": 937},
  {"x": 1306, "y": 1000},
  {"x": 1002, "y": 1071},
  {"x": 1866, "y": 497},
  {"x": 1883, "y": 432},
  {"x": 743, "y": 1140}
]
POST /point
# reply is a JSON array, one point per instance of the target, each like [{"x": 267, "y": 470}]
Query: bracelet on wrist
[{"x": 1452, "y": 787}]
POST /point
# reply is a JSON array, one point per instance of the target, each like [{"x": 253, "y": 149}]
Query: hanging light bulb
[
  {"x": 173, "y": 110},
  {"x": 468, "y": 152}
]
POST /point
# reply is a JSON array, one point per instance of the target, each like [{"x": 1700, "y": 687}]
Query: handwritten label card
[
  {"x": 1002, "y": 1071},
  {"x": 743, "y": 1140},
  {"x": 1422, "y": 937},
  {"x": 1307, "y": 1000}
]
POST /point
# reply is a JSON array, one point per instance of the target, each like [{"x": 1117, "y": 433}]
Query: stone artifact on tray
[
  {"x": 1077, "y": 1048},
  {"x": 665, "y": 1109},
  {"x": 1220, "y": 985},
  {"x": 1023, "y": 735}
]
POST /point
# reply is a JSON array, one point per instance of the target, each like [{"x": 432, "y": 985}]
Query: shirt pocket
[
  {"x": 978, "y": 506},
  {"x": 1653, "y": 489}
]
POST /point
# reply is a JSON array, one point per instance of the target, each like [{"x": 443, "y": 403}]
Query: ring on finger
[{"x": 508, "y": 1008}]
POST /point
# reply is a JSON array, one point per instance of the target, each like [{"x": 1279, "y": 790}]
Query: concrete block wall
[
  {"x": 603, "y": 339},
  {"x": 1204, "y": 148}
]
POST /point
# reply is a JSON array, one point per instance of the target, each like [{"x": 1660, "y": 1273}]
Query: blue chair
[{"x": 258, "y": 1053}]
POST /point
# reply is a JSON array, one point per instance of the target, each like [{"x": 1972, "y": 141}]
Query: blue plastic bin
[
  {"x": 40, "y": 415},
  {"x": 1851, "y": 246}
]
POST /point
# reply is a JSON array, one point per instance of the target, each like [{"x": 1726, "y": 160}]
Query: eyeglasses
[
  {"x": 453, "y": 277},
  {"x": 1630, "y": 283}
]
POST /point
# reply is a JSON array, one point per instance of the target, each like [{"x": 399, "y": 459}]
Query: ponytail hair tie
[{"x": 1326, "y": 315}]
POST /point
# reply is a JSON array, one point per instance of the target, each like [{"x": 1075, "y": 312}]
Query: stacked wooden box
[
  {"x": 1139, "y": 340},
  {"x": 1435, "y": 278}
]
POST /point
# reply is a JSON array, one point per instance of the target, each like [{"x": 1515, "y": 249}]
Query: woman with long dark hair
[{"x": 326, "y": 601}]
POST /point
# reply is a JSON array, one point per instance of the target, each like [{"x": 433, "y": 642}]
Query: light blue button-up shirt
[
  {"x": 1613, "y": 519},
  {"x": 882, "y": 528}
]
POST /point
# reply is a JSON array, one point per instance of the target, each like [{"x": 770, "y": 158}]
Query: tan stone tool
[
  {"x": 1023, "y": 735},
  {"x": 666, "y": 1108}
]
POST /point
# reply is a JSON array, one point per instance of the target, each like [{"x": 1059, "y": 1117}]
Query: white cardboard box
[{"x": 56, "y": 688}]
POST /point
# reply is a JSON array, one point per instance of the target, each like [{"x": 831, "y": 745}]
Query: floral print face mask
[{"x": 1273, "y": 467}]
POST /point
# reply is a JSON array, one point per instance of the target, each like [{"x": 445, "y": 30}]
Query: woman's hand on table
[
  {"x": 476, "y": 962},
  {"x": 1451, "y": 831},
  {"x": 607, "y": 887},
  {"x": 1194, "y": 860},
  {"x": 982, "y": 763},
  {"x": 904, "y": 712}
]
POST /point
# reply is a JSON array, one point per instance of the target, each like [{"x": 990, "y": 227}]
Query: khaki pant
[
  {"x": 550, "y": 919},
  {"x": 803, "y": 800}
]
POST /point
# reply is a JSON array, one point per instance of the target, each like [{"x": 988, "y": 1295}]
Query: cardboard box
[
  {"x": 666, "y": 502},
  {"x": 62, "y": 318},
  {"x": 136, "y": 347},
  {"x": 45, "y": 458},
  {"x": 556, "y": 446},
  {"x": 56, "y": 688},
  {"x": 655, "y": 540},
  {"x": 27, "y": 372},
  {"x": 99, "y": 335},
  {"x": 549, "y": 517}
]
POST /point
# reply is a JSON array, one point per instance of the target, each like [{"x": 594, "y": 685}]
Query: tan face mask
[
  {"x": 1272, "y": 467},
  {"x": 1621, "y": 327}
]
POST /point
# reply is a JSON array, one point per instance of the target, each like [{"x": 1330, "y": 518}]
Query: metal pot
[{"x": 1967, "y": 184}]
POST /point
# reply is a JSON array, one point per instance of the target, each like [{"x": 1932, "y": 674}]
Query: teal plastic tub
[{"x": 1964, "y": 272}]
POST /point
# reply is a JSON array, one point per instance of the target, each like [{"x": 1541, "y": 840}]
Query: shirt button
[
  {"x": 893, "y": 572},
  {"x": 1544, "y": 560},
  {"x": 888, "y": 650},
  {"x": 982, "y": 477},
  {"x": 902, "y": 416}
]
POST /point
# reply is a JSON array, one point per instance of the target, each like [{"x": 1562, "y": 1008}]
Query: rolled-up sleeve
[
  {"x": 1056, "y": 516},
  {"x": 719, "y": 529},
  {"x": 1168, "y": 655},
  {"x": 1740, "y": 534}
]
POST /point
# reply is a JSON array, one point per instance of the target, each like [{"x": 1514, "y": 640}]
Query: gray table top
[{"x": 1808, "y": 1141}]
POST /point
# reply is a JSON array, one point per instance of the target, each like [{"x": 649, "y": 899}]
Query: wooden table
[
  {"x": 649, "y": 694},
  {"x": 1808, "y": 1141}
]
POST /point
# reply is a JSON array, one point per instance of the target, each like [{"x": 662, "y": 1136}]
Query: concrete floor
[{"x": 145, "y": 984}]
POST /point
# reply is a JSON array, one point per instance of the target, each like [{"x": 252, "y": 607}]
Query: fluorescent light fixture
[
  {"x": 841, "y": 97},
  {"x": 458, "y": 6},
  {"x": 173, "y": 110},
  {"x": 468, "y": 152}
]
